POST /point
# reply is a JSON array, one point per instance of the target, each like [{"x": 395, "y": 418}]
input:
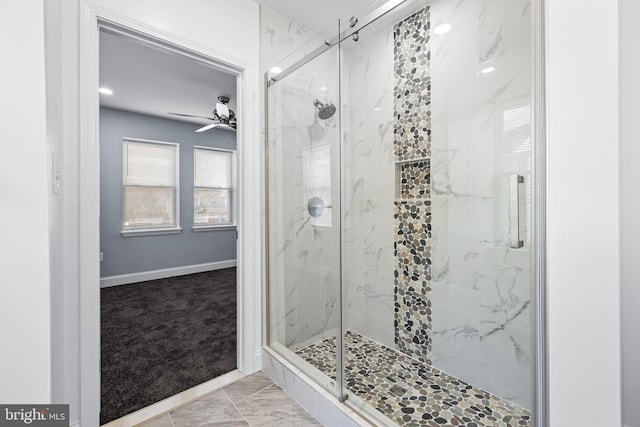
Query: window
[
  {"x": 150, "y": 187},
  {"x": 213, "y": 187}
]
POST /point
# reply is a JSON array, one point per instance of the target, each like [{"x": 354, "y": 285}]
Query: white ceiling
[
  {"x": 149, "y": 80},
  {"x": 317, "y": 15}
]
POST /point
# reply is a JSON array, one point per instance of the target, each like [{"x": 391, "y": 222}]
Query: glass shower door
[
  {"x": 303, "y": 215},
  {"x": 437, "y": 213},
  {"x": 482, "y": 186}
]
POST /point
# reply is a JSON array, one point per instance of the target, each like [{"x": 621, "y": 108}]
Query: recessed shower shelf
[
  {"x": 402, "y": 162},
  {"x": 413, "y": 179}
]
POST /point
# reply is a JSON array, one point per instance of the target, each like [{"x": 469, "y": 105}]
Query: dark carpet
[{"x": 164, "y": 336}]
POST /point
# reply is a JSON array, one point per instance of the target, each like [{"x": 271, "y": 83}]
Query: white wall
[
  {"x": 60, "y": 33},
  {"x": 227, "y": 26},
  {"x": 584, "y": 340},
  {"x": 25, "y": 358},
  {"x": 630, "y": 209},
  {"x": 230, "y": 27}
]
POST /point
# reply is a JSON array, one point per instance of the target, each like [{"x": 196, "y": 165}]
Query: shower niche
[{"x": 391, "y": 279}]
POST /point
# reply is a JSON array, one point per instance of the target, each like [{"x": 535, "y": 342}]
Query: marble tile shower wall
[
  {"x": 303, "y": 258},
  {"x": 279, "y": 37},
  {"x": 480, "y": 288}
]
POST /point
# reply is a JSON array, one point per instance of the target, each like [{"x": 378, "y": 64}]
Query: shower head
[{"x": 325, "y": 111}]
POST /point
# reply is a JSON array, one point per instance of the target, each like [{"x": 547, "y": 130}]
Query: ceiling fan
[{"x": 222, "y": 116}]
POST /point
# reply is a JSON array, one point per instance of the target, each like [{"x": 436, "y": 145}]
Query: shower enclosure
[{"x": 401, "y": 213}]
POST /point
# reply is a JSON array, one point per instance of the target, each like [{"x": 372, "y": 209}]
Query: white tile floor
[{"x": 253, "y": 401}]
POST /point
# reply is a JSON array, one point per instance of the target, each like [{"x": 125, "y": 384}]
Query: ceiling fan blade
[
  {"x": 216, "y": 125},
  {"x": 207, "y": 127},
  {"x": 191, "y": 115},
  {"x": 226, "y": 127}
]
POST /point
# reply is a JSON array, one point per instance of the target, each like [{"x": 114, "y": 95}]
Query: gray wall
[
  {"x": 630, "y": 210},
  {"x": 125, "y": 255}
]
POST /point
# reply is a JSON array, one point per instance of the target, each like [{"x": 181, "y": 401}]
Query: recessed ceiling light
[
  {"x": 276, "y": 70},
  {"x": 324, "y": 88},
  {"x": 105, "y": 91},
  {"x": 442, "y": 29},
  {"x": 487, "y": 70},
  {"x": 377, "y": 109}
]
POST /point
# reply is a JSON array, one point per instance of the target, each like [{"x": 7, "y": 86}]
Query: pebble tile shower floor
[{"x": 409, "y": 392}]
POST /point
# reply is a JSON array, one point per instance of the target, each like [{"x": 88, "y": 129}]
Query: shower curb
[{"x": 318, "y": 402}]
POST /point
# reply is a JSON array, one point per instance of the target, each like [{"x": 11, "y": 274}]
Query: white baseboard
[
  {"x": 257, "y": 360},
  {"x": 125, "y": 279},
  {"x": 173, "y": 402}
]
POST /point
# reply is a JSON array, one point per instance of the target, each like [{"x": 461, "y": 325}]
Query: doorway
[
  {"x": 247, "y": 213},
  {"x": 167, "y": 223}
]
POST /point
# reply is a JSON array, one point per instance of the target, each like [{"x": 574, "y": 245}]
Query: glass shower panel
[
  {"x": 436, "y": 123},
  {"x": 303, "y": 213},
  {"x": 482, "y": 140}
]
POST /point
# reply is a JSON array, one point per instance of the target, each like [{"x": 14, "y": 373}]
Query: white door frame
[{"x": 93, "y": 17}]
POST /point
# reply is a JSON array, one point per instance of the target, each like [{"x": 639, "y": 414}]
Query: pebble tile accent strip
[
  {"x": 412, "y": 229},
  {"x": 377, "y": 374},
  {"x": 412, "y": 87},
  {"x": 412, "y": 306},
  {"x": 412, "y": 214},
  {"x": 412, "y": 278}
]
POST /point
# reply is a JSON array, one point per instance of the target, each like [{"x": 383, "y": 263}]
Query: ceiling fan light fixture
[
  {"x": 222, "y": 111},
  {"x": 223, "y": 117}
]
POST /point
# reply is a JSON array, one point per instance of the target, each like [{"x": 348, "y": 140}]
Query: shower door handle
[{"x": 514, "y": 211}]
